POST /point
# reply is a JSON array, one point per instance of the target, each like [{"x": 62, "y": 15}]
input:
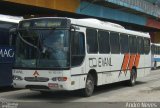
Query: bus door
[{"x": 78, "y": 56}]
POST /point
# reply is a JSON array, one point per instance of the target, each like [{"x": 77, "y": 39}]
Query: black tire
[
  {"x": 133, "y": 77},
  {"x": 89, "y": 86},
  {"x": 155, "y": 65}
]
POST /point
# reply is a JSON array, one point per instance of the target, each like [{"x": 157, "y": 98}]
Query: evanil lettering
[{"x": 7, "y": 53}]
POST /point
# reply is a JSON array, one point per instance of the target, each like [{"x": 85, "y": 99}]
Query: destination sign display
[{"x": 45, "y": 23}]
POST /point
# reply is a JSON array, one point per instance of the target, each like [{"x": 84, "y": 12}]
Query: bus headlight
[
  {"x": 15, "y": 77},
  {"x": 59, "y": 79}
]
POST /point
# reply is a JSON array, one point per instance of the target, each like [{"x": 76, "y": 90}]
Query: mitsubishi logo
[{"x": 36, "y": 74}]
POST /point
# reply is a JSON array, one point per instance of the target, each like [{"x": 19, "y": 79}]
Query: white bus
[
  {"x": 155, "y": 54},
  {"x": 70, "y": 54}
]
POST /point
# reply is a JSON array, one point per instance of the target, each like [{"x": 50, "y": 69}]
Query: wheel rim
[
  {"x": 89, "y": 87},
  {"x": 133, "y": 77}
]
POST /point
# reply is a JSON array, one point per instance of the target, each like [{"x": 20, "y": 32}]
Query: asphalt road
[{"x": 114, "y": 95}]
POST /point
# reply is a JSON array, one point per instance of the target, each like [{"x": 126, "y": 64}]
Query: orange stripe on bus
[
  {"x": 137, "y": 60},
  {"x": 131, "y": 62},
  {"x": 125, "y": 62}
]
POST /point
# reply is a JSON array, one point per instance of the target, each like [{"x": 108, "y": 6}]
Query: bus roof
[
  {"x": 12, "y": 19},
  {"x": 107, "y": 26},
  {"x": 95, "y": 23},
  {"x": 156, "y": 44}
]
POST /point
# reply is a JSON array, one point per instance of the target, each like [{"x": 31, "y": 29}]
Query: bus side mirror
[{"x": 13, "y": 31}]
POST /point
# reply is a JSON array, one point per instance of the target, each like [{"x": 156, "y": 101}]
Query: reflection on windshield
[
  {"x": 25, "y": 54},
  {"x": 52, "y": 49}
]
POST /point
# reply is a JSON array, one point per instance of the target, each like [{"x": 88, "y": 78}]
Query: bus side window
[
  {"x": 77, "y": 48},
  {"x": 155, "y": 49},
  {"x": 140, "y": 45},
  {"x": 103, "y": 38},
  {"x": 92, "y": 44},
  {"x": 146, "y": 45},
  {"x": 133, "y": 44},
  {"x": 114, "y": 43},
  {"x": 124, "y": 43},
  {"x": 152, "y": 49}
]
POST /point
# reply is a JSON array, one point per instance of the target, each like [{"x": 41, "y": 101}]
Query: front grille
[
  {"x": 36, "y": 87},
  {"x": 36, "y": 79}
]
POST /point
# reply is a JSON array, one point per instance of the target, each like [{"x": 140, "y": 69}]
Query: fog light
[
  {"x": 15, "y": 77},
  {"x": 72, "y": 82}
]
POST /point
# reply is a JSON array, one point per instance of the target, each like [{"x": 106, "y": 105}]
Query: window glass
[
  {"x": 124, "y": 43},
  {"x": 103, "y": 38},
  {"x": 114, "y": 42},
  {"x": 133, "y": 44},
  {"x": 92, "y": 45},
  {"x": 140, "y": 45},
  {"x": 156, "y": 50},
  {"x": 146, "y": 45},
  {"x": 38, "y": 48},
  {"x": 77, "y": 48},
  {"x": 153, "y": 49}
]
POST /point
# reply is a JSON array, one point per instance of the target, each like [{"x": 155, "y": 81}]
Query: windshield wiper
[{"x": 26, "y": 42}]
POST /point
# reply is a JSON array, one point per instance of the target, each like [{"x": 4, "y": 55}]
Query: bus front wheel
[{"x": 89, "y": 86}]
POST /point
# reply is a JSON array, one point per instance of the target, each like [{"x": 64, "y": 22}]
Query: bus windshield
[{"x": 42, "y": 48}]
